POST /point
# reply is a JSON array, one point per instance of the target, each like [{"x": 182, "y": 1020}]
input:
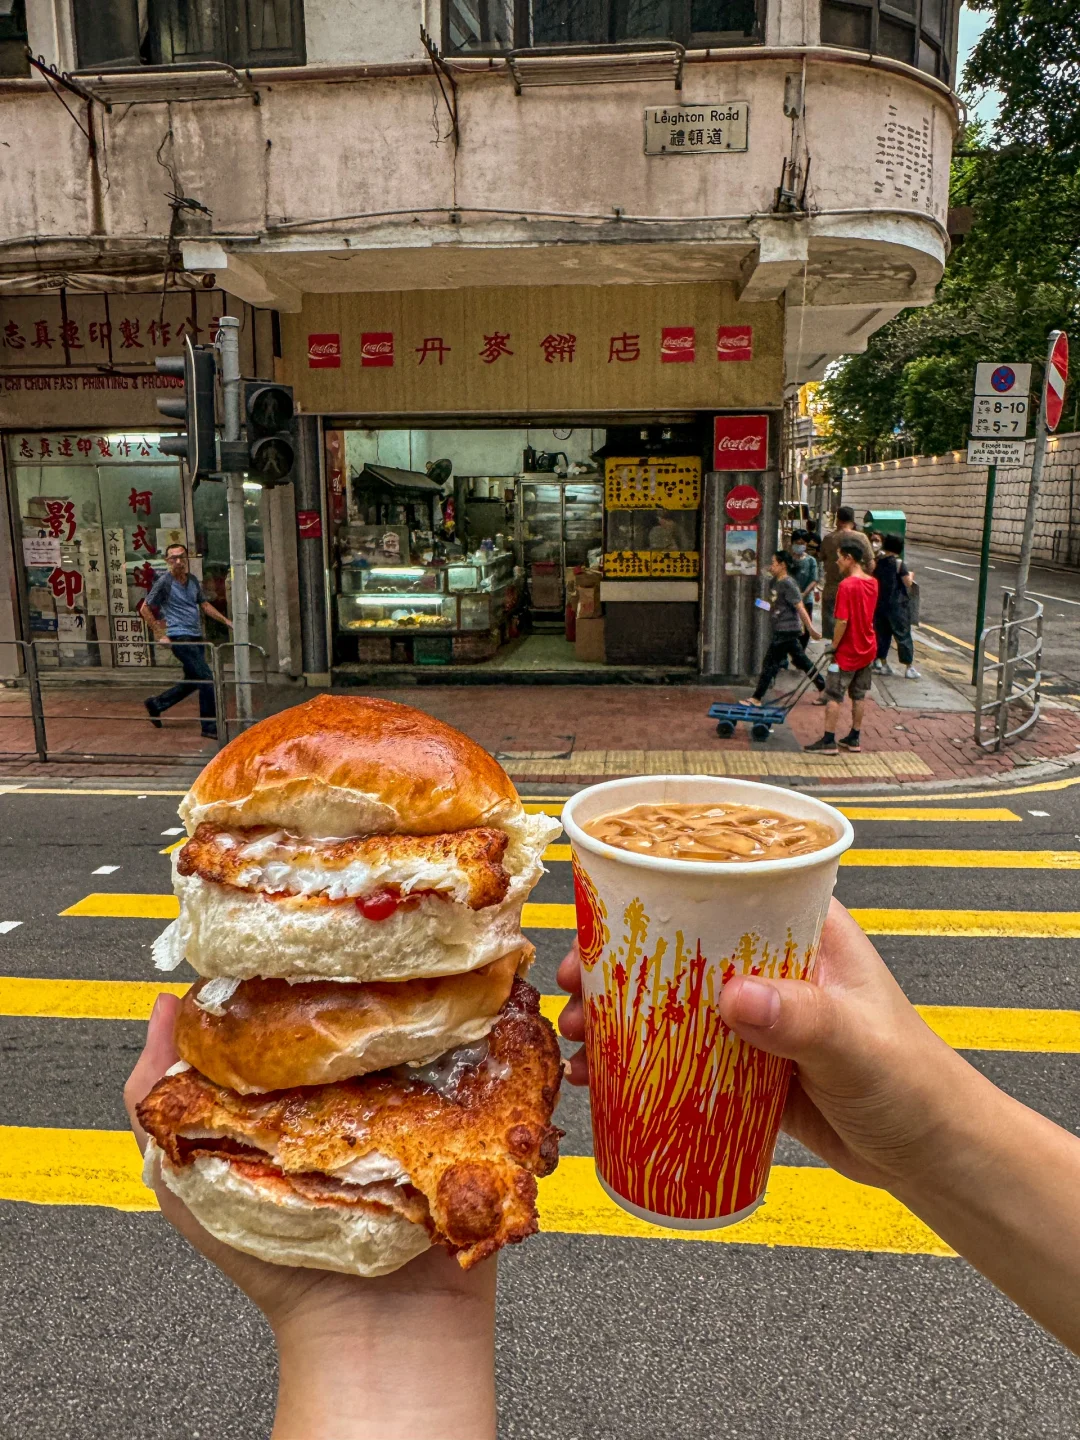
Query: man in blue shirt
[{"x": 181, "y": 600}]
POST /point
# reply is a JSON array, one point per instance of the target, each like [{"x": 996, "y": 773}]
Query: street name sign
[
  {"x": 996, "y": 452},
  {"x": 715, "y": 127}
]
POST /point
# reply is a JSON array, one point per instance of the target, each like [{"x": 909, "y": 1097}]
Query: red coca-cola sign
[
  {"x": 735, "y": 342},
  {"x": 743, "y": 504},
  {"x": 309, "y": 524},
  {"x": 324, "y": 352},
  {"x": 677, "y": 345},
  {"x": 741, "y": 442},
  {"x": 377, "y": 347}
]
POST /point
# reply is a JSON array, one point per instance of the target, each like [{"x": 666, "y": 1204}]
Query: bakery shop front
[{"x": 533, "y": 481}]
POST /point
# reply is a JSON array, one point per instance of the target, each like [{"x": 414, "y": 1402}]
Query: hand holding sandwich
[
  {"x": 879, "y": 1097},
  {"x": 405, "y": 1356}
]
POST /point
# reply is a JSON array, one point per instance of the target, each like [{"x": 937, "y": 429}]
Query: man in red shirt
[{"x": 854, "y": 649}]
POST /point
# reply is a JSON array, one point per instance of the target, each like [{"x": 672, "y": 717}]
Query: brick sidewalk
[{"x": 556, "y": 734}]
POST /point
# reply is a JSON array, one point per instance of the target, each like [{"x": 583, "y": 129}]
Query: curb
[{"x": 1039, "y": 770}]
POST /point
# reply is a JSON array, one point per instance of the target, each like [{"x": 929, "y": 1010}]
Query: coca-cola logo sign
[
  {"x": 677, "y": 345},
  {"x": 741, "y": 442},
  {"x": 735, "y": 342},
  {"x": 377, "y": 348},
  {"x": 324, "y": 352},
  {"x": 743, "y": 504}
]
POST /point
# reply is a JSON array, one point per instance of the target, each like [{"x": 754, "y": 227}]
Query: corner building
[{"x": 543, "y": 277}]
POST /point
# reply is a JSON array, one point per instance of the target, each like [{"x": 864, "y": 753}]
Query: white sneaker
[
  {"x": 912, "y": 674},
  {"x": 882, "y": 667}
]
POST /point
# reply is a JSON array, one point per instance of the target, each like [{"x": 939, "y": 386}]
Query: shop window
[
  {"x": 918, "y": 32},
  {"x": 124, "y": 33},
  {"x": 13, "y": 38},
  {"x": 96, "y": 513},
  {"x": 488, "y": 26}
]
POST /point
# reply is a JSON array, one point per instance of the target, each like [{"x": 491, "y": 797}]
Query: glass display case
[
  {"x": 362, "y": 579},
  {"x": 414, "y": 599},
  {"x": 482, "y": 571},
  {"x": 557, "y": 523},
  {"x": 402, "y": 613}
]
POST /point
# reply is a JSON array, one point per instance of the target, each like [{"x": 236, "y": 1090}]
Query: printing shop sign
[{"x": 715, "y": 127}]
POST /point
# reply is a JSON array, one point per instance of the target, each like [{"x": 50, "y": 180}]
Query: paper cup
[{"x": 684, "y": 1113}]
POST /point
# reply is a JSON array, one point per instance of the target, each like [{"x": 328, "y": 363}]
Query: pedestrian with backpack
[{"x": 892, "y": 618}]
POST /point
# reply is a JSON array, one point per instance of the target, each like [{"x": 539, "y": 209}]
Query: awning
[{"x": 402, "y": 482}]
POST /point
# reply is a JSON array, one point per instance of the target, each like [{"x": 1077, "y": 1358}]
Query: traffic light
[
  {"x": 197, "y": 367},
  {"x": 271, "y": 441}
]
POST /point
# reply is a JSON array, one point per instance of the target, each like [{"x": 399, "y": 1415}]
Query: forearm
[
  {"x": 146, "y": 614},
  {"x": 215, "y": 614},
  {"x": 412, "y": 1366},
  {"x": 839, "y": 626},
  {"x": 1003, "y": 1189}
]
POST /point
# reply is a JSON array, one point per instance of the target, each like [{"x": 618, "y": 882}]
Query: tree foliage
[{"x": 1015, "y": 276}]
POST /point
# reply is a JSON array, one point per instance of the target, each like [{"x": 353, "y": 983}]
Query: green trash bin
[{"x": 886, "y": 522}]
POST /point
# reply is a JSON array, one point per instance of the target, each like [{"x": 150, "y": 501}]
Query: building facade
[{"x": 542, "y": 275}]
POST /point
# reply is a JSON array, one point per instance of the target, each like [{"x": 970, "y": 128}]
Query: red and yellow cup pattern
[{"x": 685, "y": 1114}]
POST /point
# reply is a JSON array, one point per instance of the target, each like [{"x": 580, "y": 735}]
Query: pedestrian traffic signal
[
  {"x": 197, "y": 368},
  {"x": 269, "y": 411}
]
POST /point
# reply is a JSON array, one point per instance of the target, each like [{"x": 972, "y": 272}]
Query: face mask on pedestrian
[
  {"x": 798, "y": 549},
  {"x": 876, "y": 544}
]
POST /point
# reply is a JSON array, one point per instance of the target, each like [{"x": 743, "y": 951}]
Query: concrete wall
[{"x": 943, "y": 498}]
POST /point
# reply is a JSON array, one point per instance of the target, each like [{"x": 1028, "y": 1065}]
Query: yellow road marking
[
  {"x": 987, "y": 1028},
  {"x": 1014, "y": 924},
  {"x": 1041, "y": 787},
  {"x": 174, "y": 846},
  {"x": 957, "y": 924},
  {"x": 126, "y": 907},
  {"x": 934, "y": 859},
  {"x": 919, "y": 812},
  {"x": 65, "y": 790},
  {"x": 966, "y": 1027},
  {"x": 806, "y": 1206},
  {"x": 549, "y": 917},
  {"x": 944, "y": 634},
  {"x": 82, "y": 999},
  {"x": 552, "y": 808},
  {"x": 967, "y": 859},
  {"x": 167, "y": 907}
]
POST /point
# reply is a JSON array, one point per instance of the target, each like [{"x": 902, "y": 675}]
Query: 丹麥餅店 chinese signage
[{"x": 551, "y": 350}]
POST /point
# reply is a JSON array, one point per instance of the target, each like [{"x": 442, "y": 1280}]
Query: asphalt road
[
  {"x": 948, "y": 582},
  {"x": 111, "y": 1328}
]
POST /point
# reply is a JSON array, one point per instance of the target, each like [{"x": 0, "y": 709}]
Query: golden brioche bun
[
  {"x": 273, "y": 1035},
  {"x": 341, "y": 766}
]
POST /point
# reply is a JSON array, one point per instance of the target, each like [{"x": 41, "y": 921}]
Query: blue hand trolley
[{"x": 762, "y": 718}]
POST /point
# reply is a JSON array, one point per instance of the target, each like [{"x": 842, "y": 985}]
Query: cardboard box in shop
[
  {"x": 588, "y": 595},
  {"x": 589, "y": 642}
]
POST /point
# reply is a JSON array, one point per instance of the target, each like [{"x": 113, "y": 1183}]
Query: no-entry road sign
[{"x": 1057, "y": 371}]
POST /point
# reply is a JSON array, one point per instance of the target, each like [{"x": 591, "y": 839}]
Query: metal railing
[
  {"x": 22, "y": 722},
  {"x": 49, "y": 712},
  {"x": 1008, "y": 698}
]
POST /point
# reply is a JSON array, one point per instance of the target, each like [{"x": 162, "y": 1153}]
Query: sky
[{"x": 971, "y": 27}]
